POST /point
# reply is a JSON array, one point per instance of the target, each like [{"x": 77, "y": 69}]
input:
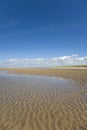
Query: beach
[
  {"x": 77, "y": 74},
  {"x": 43, "y": 99}
]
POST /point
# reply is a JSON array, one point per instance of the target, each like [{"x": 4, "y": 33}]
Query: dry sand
[{"x": 43, "y": 103}]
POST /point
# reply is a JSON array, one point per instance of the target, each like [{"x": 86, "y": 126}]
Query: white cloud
[{"x": 44, "y": 62}]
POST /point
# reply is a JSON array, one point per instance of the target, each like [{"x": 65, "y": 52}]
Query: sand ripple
[{"x": 42, "y": 103}]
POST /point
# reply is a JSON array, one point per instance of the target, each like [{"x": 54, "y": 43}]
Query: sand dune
[{"x": 42, "y": 103}]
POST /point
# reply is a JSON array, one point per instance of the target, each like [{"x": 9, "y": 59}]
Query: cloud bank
[{"x": 74, "y": 59}]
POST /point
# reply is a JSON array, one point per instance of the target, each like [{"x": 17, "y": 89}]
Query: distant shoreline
[
  {"x": 75, "y": 74},
  {"x": 70, "y": 67}
]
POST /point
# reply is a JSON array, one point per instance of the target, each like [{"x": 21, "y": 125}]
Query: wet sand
[
  {"x": 43, "y": 103},
  {"x": 77, "y": 74}
]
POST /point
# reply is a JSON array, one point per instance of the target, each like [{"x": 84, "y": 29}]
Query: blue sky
[{"x": 42, "y": 29}]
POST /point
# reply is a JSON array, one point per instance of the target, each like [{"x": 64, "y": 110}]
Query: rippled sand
[{"x": 42, "y": 103}]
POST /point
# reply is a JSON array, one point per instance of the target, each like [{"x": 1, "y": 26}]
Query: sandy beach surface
[
  {"x": 77, "y": 74},
  {"x": 44, "y": 99}
]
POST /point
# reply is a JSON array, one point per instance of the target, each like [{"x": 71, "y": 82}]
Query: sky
[{"x": 43, "y": 32}]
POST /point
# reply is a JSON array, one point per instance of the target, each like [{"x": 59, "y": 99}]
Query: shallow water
[{"x": 41, "y": 103}]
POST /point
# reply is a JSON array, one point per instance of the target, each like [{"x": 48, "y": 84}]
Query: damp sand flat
[
  {"x": 42, "y": 103},
  {"x": 78, "y": 74}
]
